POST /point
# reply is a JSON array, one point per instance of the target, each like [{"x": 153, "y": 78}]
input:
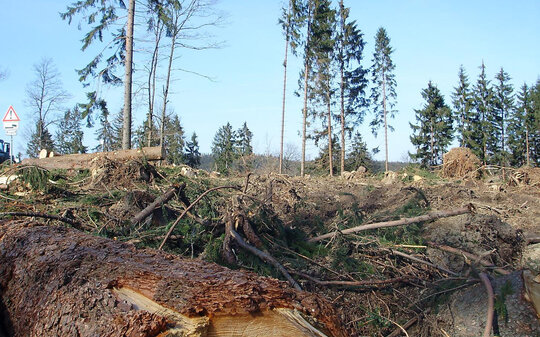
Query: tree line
[{"x": 500, "y": 125}]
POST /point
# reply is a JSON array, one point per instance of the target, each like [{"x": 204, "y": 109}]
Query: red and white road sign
[
  {"x": 11, "y": 122},
  {"x": 11, "y": 115}
]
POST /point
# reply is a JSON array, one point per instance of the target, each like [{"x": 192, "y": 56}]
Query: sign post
[{"x": 11, "y": 124}]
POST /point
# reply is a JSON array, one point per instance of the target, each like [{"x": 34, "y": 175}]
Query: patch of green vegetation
[
  {"x": 36, "y": 177},
  {"x": 500, "y": 300}
]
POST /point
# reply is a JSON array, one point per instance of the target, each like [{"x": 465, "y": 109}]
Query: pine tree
[
  {"x": 462, "y": 101},
  {"x": 105, "y": 133},
  {"x": 69, "y": 137},
  {"x": 383, "y": 93},
  {"x": 353, "y": 80},
  {"x": 223, "y": 148},
  {"x": 192, "y": 156},
  {"x": 358, "y": 155},
  {"x": 533, "y": 125},
  {"x": 146, "y": 136},
  {"x": 433, "y": 133},
  {"x": 519, "y": 130},
  {"x": 174, "y": 140},
  {"x": 244, "y": 149},
  {"x": 503, "y": 106},
  {"x": 40, "y": 139},
  {"x": 481, "y": 128}
]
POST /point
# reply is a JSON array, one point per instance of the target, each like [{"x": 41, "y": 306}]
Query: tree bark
[
  {"x": 83, "y": 160},
  {"x": 283, "y": 103},
  {"x": 57, "y": 281},
  {"x": 126, "y": 131},
  {"x": 426, "y": 217},
  {"x": 385, "y": 124},
  {"x": 330, "y": 154}
]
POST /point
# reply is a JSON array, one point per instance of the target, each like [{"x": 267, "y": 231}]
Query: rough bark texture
[
  {"x": 84, "y": 160},
  {"x": 56, "y": 281}
]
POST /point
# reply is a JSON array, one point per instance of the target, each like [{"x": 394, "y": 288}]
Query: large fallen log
[
  {"x": 83, "y": 161},
  {"x": 56, "y": 281}
]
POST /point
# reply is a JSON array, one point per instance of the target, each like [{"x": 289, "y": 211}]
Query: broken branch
[
  {"x": 491, "y": 304},
  {"x": 158, "y": 202},
  {"x": 363, "y": 283},
  {"x": 395, "y": 252},
  {"x": 72, "y": 222},
  {"x": 407, "y": 221},
  {"x": 190, "y": 207}
]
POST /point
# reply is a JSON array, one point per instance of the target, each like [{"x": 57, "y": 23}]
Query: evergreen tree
[
  {"x": 533, "y": 124},
  {"x": 433, "y": 133},
  {"x": 144, "y": 134},
  {"x": 223, "y": 148},
  {"x": 353, "y": 80},
  {"x": 503, "y": 106},
  {"x": 483, "y": 105},
  {"x": 69, "y": 137},
  {"x": 174, "y": 140},
  {"x": 192, "y": 156},
  {"x": 462, "y": 101},
  {"x": 40, "y": 139},
  {"x": 108, "y": 139},
  {"x": 358, "y": 155},
  {"x": 519, "y": 130},
  {"x": 244, "y": 149},
  {"x": 322, "y": 162},
  {"x": 383, "y": 93}
]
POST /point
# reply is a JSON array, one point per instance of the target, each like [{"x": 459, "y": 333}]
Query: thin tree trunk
[
  {"x": 431, "y": 140},
  {"x": 330, "y": 154},
  {"x": 126, "y": 131},
  {"x": 152, "y": 84},
  {"x": 166, "y": 91},
  {"x": 527, "y": 145},
  {"x": 342, "y": 117},
  {"x": 283, "y": 105},
  {"x": 306, "y": 71},
  {"x": 385, "y": 124}
]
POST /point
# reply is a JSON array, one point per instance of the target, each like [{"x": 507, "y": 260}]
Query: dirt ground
[{"x": 369, "y": 276}]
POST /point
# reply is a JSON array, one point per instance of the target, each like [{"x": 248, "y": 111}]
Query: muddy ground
[{"x": 385, "y": 291}]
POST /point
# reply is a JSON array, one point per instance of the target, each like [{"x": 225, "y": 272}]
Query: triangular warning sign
[{"x": 11, "y": 115}]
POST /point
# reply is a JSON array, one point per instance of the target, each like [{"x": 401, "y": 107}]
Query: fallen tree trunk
[
  {"x": 163, "y": 199},
  {"x": 57, "y": 281},
  {"x": 426, "y": 217},
  {"x": 83, "y": 160}
]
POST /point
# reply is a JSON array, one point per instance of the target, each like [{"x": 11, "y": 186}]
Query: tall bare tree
[{"x": 45, "y": 96}]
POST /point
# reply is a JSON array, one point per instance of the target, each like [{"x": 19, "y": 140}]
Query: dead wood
[
  {"x": 407, "y": 221},
  {"x": 412, "y": 258},
  {"x": 69, "y": 221},
  {"x": 491, "y": 304},
  {"x": 472, "y": 257},
  {"x": 362, "y": 283},
  {"x": 57, "y": 281},
  {"x": 190, "y": 207},
  {"x": 163, "y": 199},
  {"x": 83, "y": 161}
]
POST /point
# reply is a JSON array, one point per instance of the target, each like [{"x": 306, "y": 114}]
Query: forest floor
[{"x": 370, "y": 276}]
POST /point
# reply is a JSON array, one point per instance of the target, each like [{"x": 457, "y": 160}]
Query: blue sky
[{"x": 430, "y": 38}]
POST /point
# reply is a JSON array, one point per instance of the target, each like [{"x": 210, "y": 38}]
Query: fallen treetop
[
  {"x": 401, "y": 222},
  {"x": 57, "y": 281},
  {"x": 84, "y": 160}
]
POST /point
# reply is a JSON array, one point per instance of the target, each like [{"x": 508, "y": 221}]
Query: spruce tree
[
  {"x": 69, "y": 137},
  {"x": 353, "y": 80},
  {"x": 192, "y": 156},
  {"x": 462, "y": 101},
  {"x": 358, "y": 155},
  {"x": 383, "y": 93},
  {"x": 223, "y": 148},
  {"x": 533, "y": 125},
  {"x": 433, "y": 133},
  {"x": 244, "y": 149},
  {"x": 519, "y": 130},
  {"x": 503, "y": 108},
  {"x": 481, "y": 128},
  {"x": 174, "y": 140},
  {"x": 108, "y": 140},
  {"x": 40, "y": 139}
]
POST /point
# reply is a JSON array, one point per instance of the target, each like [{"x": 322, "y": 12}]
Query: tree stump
[{"x": 57, "y": 281}]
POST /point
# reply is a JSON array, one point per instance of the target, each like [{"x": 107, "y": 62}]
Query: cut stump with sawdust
[{"x": 56, "y": 281}]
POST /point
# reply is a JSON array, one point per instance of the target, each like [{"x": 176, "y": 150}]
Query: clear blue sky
[{"x": 430, "y": 38}]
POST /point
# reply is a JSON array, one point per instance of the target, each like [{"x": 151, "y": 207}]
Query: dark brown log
[
  {"x": 426, "y": 217},
  {"x": 84, "y": 160},
  {"x": 163, "y": 199},
  {"x": 57, "y": 281},
  {"x": 490, "y": 305}
]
